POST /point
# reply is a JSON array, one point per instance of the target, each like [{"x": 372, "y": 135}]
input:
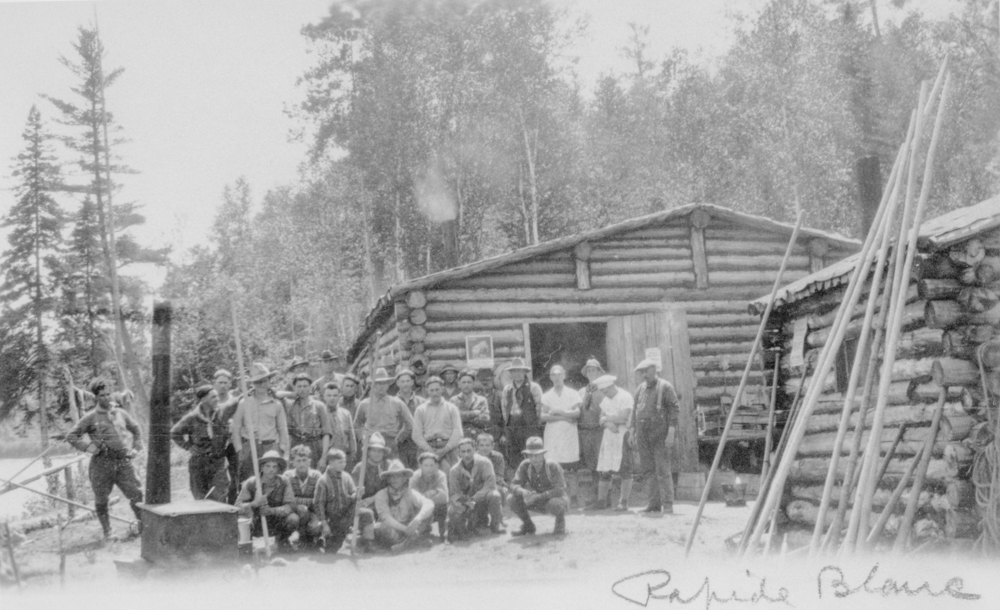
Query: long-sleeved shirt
[
  {"x": 109, "y": 430},
  {"x": 524, "y": 399},
  {"x": 203, "y": 435},
  {"x": 437, "y": 421},
  {"x": 278, "y": 491},
  {"x": 473, "y": 408},
  {"x": 434, "y": 488},
  {"x": 386, "y": 414},
  {"x": 548, "y": 481},
  {"x": 334, "y": 496},
  {"x": 414, "y": 401},
  {"x": 473, "y": 481},
  {"x": 499, "y": 467},
  {"x": 303, "y": 489},
  {"x": 590, "y": 410},
  {"x": 342, "y": 431},
  {"x": 268, "y": 417},
  {"x": 404, "y": 509},
  {"x": 645, "y": 402},
  {"x": 374, "y": 481},
  {"x": 307, "y": 419}
]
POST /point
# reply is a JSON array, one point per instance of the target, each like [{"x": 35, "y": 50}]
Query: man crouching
[
  {"x": 303, "y": 480},
  {"x": 403, "y": 514},
  {"x": 475, "y": 500},
  {"x": 334, "y": 503},
  {"x": 538, "y": 485},
  {"x": 275, "y": 504}
]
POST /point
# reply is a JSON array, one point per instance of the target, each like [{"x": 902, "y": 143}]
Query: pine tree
[{"x": 35, "y": 224}]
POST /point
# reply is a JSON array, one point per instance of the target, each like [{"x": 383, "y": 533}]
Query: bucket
[{"x": 244, "y": 527}]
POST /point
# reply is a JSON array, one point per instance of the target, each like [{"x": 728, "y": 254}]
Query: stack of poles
[{"x": 894, "y": 295}]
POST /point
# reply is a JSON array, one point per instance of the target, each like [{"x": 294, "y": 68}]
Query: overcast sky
[{"x": 206, "y": 83}]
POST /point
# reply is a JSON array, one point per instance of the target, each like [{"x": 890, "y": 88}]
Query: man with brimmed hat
[
  {"x": 589, "y": 425},
  {"x": 266, "y": 414},
  {"x": 475, "y": 501},
  {"x": 204, "y": 433},
  {"x": 520, "y": 402},
  {"x": 308, "y": 421},
  {"x": 437, "y": 424},
  {"x": 275, "y": 502},
  {"x": 615, "y": 458},
  {"x": 449, "y": 374},
  {"x": 538, "y": 485},
  {"x": 334, "y": 500},
  {"x": 653, "y": 429},
  {"x": 432, "y": 484},
  {"x": 406, "y": 381},
  {"x": 384, "y": 414},
  {"x": 471, "y": 406},
  {"x": 402, "y": 513},
  {"x": 328, "y": 364},
  {"x": 376, "y": 464},
  {"x": 297, "y": 365}
]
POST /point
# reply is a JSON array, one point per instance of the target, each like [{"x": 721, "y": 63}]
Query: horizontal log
[
  {"x": 747, "y": 234},
  {"x": 553, "y": 280},
  {"x": 736, "y": 262},
  {"x": 735, "y": 278},
  {"x": 625, "y": 280},
  {"x": 925, "y": 392},
  {"x": 956, "y": 421},
  {"x": 792, "y": 385},
  {"x": 682, "y": 266},
  {"x": 725, "y": 334},
  {"x": 931, "y": 289},
  {"x": 455, "y": 353},
  {"x": 457, "y": 339},
  {"x": 920, "y": 343},
  {"x": 721, "y": 361},
  {"x": 476, "y": 326},
  {"x": 814, "y": 470},
  {"x": 661, "y": 232},
  {"x": 814, "y": 493},
  {"x": 603, "y": 254},
  {"x": 537, "y": 267},
  {"x": 749, "y": 247},
  {"x": 710, "y": 299},
  {"x": 954, "y": 372},
  {"x": 718, "y": 349},
  {"x": 803, "y": 511},
  {"x": 673, "y": 243},
  {"x": 948, "y": 314},
  {"x": 912, "y": 443}
]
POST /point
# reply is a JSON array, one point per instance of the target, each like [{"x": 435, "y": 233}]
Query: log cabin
[
  {"x": 676, "y": 280},
  {"x": 952, "y": 310}
]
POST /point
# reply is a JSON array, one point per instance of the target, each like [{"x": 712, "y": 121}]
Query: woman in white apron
[
  {"x": 560, "y": 410},
  {"x": 615, "y": 458}
]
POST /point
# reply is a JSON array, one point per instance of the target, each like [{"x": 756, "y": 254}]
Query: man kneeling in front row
[
  {"x": 303, "y": 480},
  {"x": 538, "y": 485},
  {"x": 334, "y": 502},
  {"x": 403, "y": 514},
  {"x": 475, "y": 501},
  {"x": 275, "y": 504}
]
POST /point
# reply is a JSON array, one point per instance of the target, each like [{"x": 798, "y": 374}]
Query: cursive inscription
[
  {"x": 640, "y": 588},
  {"x": 831, "y": 580}
]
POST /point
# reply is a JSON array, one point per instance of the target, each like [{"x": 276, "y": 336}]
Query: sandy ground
[{"x": 597, "y": 565}]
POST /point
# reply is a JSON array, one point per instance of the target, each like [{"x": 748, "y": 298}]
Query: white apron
[
  {"x": 612, "y": 443},
  {"x": 562, "y": 443}
]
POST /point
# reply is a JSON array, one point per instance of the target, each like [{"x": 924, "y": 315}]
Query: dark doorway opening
[{"x": 570, "y": 345}]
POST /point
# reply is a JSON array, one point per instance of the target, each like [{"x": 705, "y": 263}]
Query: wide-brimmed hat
[
  {"x": 406, "y": 372},
  {"x": 645, "y": 364},
  {"x": 298, "y": 361},
  {"x": 471, "y": 374},
  {"x": 259, "y": 372},
  {"x": 396, "y": 467},
  {"x": 273, "y": 456},
  {"x": 605, "y": 381},
  {"x": 534, "y": 446},
  {"x": 376, "y": 441},
  {"x": 517, "y": 364},
  {"x": 382, "y": 376},
  {"x": 352, "y": 377},
  {"x": 592, "y": 362},
  {"x": 448, "y": 367},
  {"x": 326, "y": 356}
]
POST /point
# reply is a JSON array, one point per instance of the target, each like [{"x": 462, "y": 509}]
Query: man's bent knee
[{"x": 556, "y": 506}]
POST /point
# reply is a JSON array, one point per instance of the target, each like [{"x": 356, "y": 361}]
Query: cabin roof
[
  {"x": 935, "y": 234},
  {"x": 384, "y": 306}
]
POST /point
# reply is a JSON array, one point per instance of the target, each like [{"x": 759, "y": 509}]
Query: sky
[{"x": 207, "y": 82}]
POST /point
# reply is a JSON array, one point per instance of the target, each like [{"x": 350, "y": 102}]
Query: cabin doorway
[{"x": 569, "y": 344}]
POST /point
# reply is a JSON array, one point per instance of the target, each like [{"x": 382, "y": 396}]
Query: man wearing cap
[
  {"x": 303, "y": 479},
  {"x": 298, "y": 365},
  {"x": 334, "y": 502},
  {"x": 486, "y": 386},
  {"x": 653, "y": 429},
  {"x": 406, "y": 391},
  {"x": 520, "y": 403},
  {"x": 402, "y": 513},
  {"x": 437, "y": 424},
  {"x": 205, "y": 435},
  {"x": 560, "y": 412},
  {"x": 471, "y": 406},
  {"x": 383, "y": 413},
  {"x": 615, "y": 458},
  {"x": 341, "y": 425},
  {"x": 308, "y": 423},
  {"x": 376, "y": 464},
  {"x": 266, "y": 414},
  {"x": 538, "y": 485},
  {"x": 589, "y": 425},
  {"x": 222, "y": 381},
  {"x": 275, "y": 503},
  {"x": 432, "y": 484},
  {"x": 475, "y": 501},
  {"x": 449, "y": 374},
  {"x": 328, "y": 367},
  {"x": 113, "y": 440}
]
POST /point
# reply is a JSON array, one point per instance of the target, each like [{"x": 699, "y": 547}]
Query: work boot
[
  {"x": 573, "y": 489},
  {"x": 527, "y": 529},
  {"x": 560, "y": 528},
  {"x": 103, "y": 518},
  {"x": 626, "y": 494},
  {"x": 653, "y": 509},
  {"x": 603, "y": 489}
]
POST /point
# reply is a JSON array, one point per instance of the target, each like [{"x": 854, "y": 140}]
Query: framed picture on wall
[{"x": 479, "y": 351}]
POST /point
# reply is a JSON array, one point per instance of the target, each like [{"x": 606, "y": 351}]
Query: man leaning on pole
[
  {"x": 654, "y": 426},
  {"x": 266, "y": 414}
]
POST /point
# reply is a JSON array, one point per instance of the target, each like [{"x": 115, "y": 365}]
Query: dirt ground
[{"x": 579, "y": 570}]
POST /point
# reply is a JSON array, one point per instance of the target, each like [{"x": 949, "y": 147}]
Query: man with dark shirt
[
  {"x": 589, "y": 425},
  {"x": 308, "y": 423},
  {"x": 341, "y": 424},
  {"x": 222, "y": 381},
  {"x": 475, "y": 501},
  {"x": 653, "y": 429},
  {"x": 303, "y": 480},
  {"x": 275, "y": 502},
  {"x": 538, "y": 485},
  {"x": 521, "y": 404},
  {"x": 376, "y": 464},
  {"x": 205, "y": 435},
  {"x": 334, "y": 502}
]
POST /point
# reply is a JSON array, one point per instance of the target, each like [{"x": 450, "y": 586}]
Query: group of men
[{"x": 396, "y": 463}]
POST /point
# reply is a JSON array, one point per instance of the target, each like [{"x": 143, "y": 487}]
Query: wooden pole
[
  {"x": 28, "y": 465},
  {"x": 768, "y": 440},
  {"x": 44, "y": 473},
  {"x": 250, "y": 422},
  {"x": 63, "y": 500},
  {"x": 743, "y": 383},
  {"x": 890, "y": 505},
  {"x": 903, "y": 535},
  {"x": 158, "y": 462},
  {"x": 364, "y": 453},
  {"x": 10, "y": 550}
]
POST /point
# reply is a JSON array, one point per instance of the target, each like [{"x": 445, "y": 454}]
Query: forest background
[{"x": 441, "y": 132}]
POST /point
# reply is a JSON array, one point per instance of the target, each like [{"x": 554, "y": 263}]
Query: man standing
[
  {"x": 472, "y": 407},
  {"x": 383, "y": 413},
  {"x": 475, "y": 501},
  {"x": 303, "y": 480},
  {"x": 308, "y": 423},
  {"x": 589, "y": 425},
  {"x": 205, "y": 435},
  {"x": 328, "y": 372},
  {"x": 615, "y": 459},
  {"x": 341, "y": 425},
  {"x": 108, "y": 429},
  {"x": 437, "y": 424},
  {"x": 487, "y": 388},
  {"x": 348, "y": 393},
  {"x": 432, "y": 484},
  {"x": 520, "y": 403},
  {"x": 402, "y": 513},
  {"x": 406, "y": 391},
  {"x": 538, "y": 485},
  {"x": 560, "y": 412},
  {"x": 334, "y": 502},
  {"x": 450, "y": 376},
  {"x": 657, "y": 408},
  {"x": 275, "y": 504},
  {"x": 267, "y": 416},
  {"x": 298, "y": 365},
  {"x": 222, "y": 381}
]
